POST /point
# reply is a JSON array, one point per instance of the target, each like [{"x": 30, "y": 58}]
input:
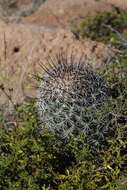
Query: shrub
[
  {"x": 30, "y": 159},
  {"x": 101, "y": 27}
]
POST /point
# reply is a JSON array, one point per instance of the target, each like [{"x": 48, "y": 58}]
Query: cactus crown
[{"x": 67, "y": 89}]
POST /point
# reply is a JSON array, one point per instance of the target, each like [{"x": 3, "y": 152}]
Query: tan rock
[
  {"x": 62, "y": 13},
  {"x": 25, "y": 46}
]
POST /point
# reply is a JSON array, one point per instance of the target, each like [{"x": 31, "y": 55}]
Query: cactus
[{"x": 69, "y": 94}]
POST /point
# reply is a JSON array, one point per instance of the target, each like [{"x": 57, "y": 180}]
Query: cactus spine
[{"x": 68, "y": 89}]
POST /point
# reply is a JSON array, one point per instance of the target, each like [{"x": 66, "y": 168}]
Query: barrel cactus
[{"x": 69, "y": 94}]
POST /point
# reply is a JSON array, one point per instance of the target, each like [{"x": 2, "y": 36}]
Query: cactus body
[{"x": 69, "y": 95}]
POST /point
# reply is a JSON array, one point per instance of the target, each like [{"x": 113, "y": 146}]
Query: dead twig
[
  {"x": 2, "y": 88},
  {"x": 122, "y": 41}
]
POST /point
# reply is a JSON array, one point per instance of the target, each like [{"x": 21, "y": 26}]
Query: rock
[
  {"x": 18, "y": 8},
  {"x": 63, "y": 13},
  {"x": 25, "y": 46}
]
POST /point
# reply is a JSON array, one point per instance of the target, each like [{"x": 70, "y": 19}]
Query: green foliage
[
  {"x": 29, "y": 158},
  {"x": 101, "y": 26},
  {"x": 122, "y": 183},
  {"x": 33, "y": 159}
]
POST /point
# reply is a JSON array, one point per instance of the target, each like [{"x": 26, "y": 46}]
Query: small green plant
[
  {"x": 30, "y": 159},
  {"x": 122, "y": 183},
  {"x": 100, "y": 27}
]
